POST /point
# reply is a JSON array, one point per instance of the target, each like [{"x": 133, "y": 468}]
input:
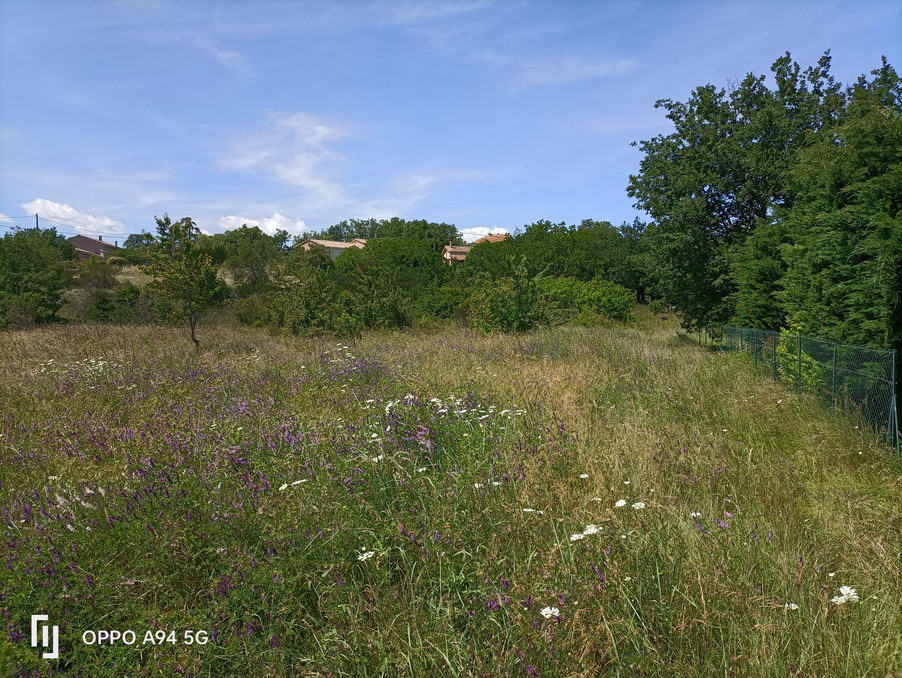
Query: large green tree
[
  {"x": 33, "y": 275},
  {"x": 843, "y": 248},
  {"x": 722, "y": 172}
]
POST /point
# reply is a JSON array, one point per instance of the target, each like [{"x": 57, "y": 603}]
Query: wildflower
[
  {"x": 831, "y": 574},
  {"x": 421, "y": 469},
  {"x": 577, "y": 536},
  {"x": 549, "y": 612},
  {"x": 379, "y": 458},
  {"x": 620, "y": 502},
  {"x": 596, "y": 499},
  {"x": 590, "y": 529},
  {"x": 529, "y": 510},
  {"x": 298, "y": 482},
  {"x": 477, "y": 485},
  {"x": 583, "y": 475},
  {"x": 846, "y": 595},
  {"x": 695, "y": 514},
  {"x": 495, "y": 483},
  {"x": 791, "y": 606},
  {"x": 282, "y": 487},
  {"x": 639, "y": 505},
  {"x": 366, "y": 556},
  {"x": 626, "y": 482}
]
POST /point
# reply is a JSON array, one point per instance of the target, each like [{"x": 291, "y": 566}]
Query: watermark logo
[{"x": 45, "y": 641}]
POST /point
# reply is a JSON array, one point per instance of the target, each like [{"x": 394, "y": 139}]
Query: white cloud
[
  {"x": 294, "y": 149},
  {"x": 89, "y": 224},
  {"x": 563, "y": 71},
  {"x": 476, "y": 232},
  {"x": 267, "y": 224}
]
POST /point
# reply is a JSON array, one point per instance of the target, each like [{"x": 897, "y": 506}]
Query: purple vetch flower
[
  {"x": 770, "y": 536},
  {"x": 596, "y": 571},
  {"x": 274, "y": 642},
  {"x": 531, "y": 671},
  {"x": 435, "y": 537}
]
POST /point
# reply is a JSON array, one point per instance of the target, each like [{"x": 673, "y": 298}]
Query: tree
[
  {"x": 32, "y": 275},
  {"x": 844, "y": 247},
  {"x": 184, "y": 275},
  {"x": 722, "y": 173}
]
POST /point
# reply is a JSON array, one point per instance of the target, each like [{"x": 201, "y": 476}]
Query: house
[
  {"x": 86, "y": 247},
  {"x": 454, "y": 253},
  {"x": 335, "y": 247},
  {"x": 497, "y": 237}
]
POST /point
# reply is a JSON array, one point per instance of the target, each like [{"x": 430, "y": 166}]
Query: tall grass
[{"x": 410, "y": 504}]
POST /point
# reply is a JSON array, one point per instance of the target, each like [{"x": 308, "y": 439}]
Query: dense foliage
[
  {"x": 33, "y": 275},
  {"x": 778, "y": 206}
]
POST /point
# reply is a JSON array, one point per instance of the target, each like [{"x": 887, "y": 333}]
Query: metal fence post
[
  {"x": 833, "y": 381},
  {"x": 894, "y": 410},
  {"x": 776, "y": 338}
]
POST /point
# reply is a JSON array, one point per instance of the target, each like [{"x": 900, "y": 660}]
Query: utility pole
[{"x": 36, "y": 224}]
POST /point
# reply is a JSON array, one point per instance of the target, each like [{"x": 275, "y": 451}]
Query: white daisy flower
[
  {"x": 583, "y": 475},
  {"x": 620, "y": 502},
  {"x": 590, "y": 529},
  {"x": 549, "y": 612},
  {"x": 577, "y": 536},
  {"x": 639, "y": 505},
  {"x": 366, "y": 556}
]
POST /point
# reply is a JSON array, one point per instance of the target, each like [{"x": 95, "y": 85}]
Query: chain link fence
[{"x": 857, "y": 381}]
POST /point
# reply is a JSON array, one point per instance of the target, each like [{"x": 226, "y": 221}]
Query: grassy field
[{"x": 569, "y": 502}]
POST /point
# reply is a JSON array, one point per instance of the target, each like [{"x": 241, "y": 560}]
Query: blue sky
[{"x": 296, "y": 115}]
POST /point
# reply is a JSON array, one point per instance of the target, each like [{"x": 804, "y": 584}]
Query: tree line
[
  {"x": 548, "y": 274},
  {"x": 777, "y": 206}
]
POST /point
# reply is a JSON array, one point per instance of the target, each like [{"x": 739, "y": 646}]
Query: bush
[
  {"x": 510, "y": 304},
  {"x": 566, "y": 297}
]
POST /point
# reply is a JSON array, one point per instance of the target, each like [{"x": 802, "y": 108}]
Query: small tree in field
[{"x": 184, "y": 276}]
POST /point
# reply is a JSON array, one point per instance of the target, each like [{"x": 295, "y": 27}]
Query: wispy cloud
[
  {"x": 268, "y": 225},
  {"x": 653, "y": 121},
  {"x": 566, "y": 70},
  {"x": 296, "y": 150},
  {"x": 68, "y": 215}
]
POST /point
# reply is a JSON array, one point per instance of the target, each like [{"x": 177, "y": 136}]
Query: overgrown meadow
[{"x": 567, "y": 502}]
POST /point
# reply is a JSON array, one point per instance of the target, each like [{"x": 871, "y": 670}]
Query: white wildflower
[
  {"x": 366, "y": 556},
  {"x": 639, "y": 505},
  {"x": 596, "y": 499},
  {"x": 282, "y": 487},
  {"x": 846, "y": 595},
  {"x": 583, "y": 475},
  {"x": 791, "y": 606},
  {"x": 549, "y": 612},
  {"x": 620, "y": 502},
  {"x": 626, "y": 482},
  {"x": 477, "y": 485},
  {"x": 298, "y": 482},
  {"x": 379, "y": 458},
  {"x": 695, "y": 514},
  {"x": 529, "y": 510},
  {"x": 577, "y": 536},
  {"x": 421, "y": 469},
  {"x": 590, "y": 529}
]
